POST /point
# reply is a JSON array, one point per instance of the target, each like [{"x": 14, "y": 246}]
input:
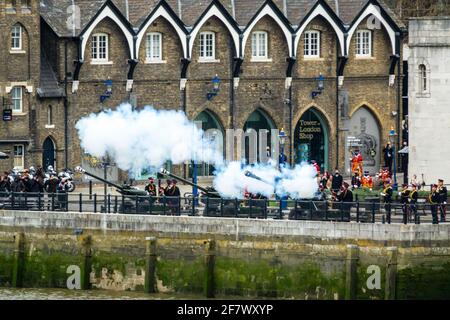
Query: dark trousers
[
  {"x": 443, "y": 209},
  {"x": 434, "y": 213},
  {"x": 388, "y": 163},
  {"x": 405, "y": 213}
]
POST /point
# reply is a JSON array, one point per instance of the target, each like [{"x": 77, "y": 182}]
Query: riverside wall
[{"x": 225, "y": 257}]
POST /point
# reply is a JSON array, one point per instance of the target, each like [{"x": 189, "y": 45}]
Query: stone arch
[
  {"x": 366, "y": 127},
  {"x": 114, "y": 14},
  {"x": 270, "y": 10},
  {"x": 371, "y": 108},
  {"x": 312, "y": 136},
  {"x": 215, "y": 11},
  {"x": 163, "y": 11},
  {"x": 321, "y": 9},
  {"x": 376, "y": 11},
  {"x": 49, "y": 152},
  {"x": 299, "y": 115}
]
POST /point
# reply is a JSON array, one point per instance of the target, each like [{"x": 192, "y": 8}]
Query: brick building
[{"x": 58, "y": 55}]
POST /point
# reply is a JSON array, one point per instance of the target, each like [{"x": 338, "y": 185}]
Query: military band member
[
  {"x": 434, "y": 199},
  {"x": 442, "y": 191},
  {"x": 387, "y": 195},
  {"x": 413, "y": 197},
  {"x": 404, "y": 199},
  {"x": 150, "y": 187}
]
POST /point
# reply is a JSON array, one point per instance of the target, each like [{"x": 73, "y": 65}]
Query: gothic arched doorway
[
  {"x": 260, "y": 123},
  {"x": 48, "y": 154},
  {"x": 311, "y": 139},
  {"x": 365, "y": 133},
  {"x": 214, "y": 131}
]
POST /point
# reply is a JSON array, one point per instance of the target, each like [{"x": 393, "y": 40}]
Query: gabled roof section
[
  {"x": 163, "y": 10},
  {"x": 108, "y": 10},
  {"x": 269, "y": 8},
  {"x": 216, "y": 9}
]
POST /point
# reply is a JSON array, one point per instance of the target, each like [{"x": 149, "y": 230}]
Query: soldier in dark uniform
[
  {"x": 173, "y": 192},
  {"x": 442, "y": 191},
  {"x": 434, "y": 199},
  {"x": 150, "y": 187},
  {"x": 413, "y": 197},
  {"x": 404, "y": 199},
  {"x": 387, "y": 196},
  {"x": 346, "y": 197}
]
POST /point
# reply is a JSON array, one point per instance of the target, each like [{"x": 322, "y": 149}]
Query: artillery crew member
[
  {"x": 442, "y": 191},
  {"x": 151, "y": 188},
  {"x": 434, "y": 199}
]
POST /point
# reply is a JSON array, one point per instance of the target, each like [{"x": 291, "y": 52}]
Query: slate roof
[
  {"x": 54, "y": 12},
  {"x": 48, "y": 84}
]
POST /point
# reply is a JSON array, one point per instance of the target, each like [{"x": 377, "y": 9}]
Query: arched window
[
  {"x": 423, "y": 79},
  {"x": 49, "y": 115},
  {"x": 16, "y": 37}
]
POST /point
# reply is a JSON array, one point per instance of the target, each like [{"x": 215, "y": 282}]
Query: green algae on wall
[
  {"x": 6, "y": 269},
  {"x": 424, "y": 281},
  {"x": 182, "y": 275},
  {"x": 263, "y": 279}
]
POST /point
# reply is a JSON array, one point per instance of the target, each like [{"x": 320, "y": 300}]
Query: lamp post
[
  {"x": 320, "y": 86},
  {"x": 216, "y": 87},
  {"x": 392, "y": 135},
  {"x": 282, "y": 136}
]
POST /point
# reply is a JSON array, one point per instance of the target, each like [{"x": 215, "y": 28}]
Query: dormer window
[
  {"x": 100, "y": 54},
  {"x": 312, "y": 44},
  {"x": 207, "y": 46},
  {"x": 363, "y": 43}
]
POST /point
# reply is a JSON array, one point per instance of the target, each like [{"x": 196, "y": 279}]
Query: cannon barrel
[
  {"x": 81, "y": 170},
  {"x": 206, "y": 191},
  {"x": 254, "y": 176}
]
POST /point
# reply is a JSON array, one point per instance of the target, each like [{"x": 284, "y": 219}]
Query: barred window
[
  {"x": 16, "y": 37},
  {"x": 312, "y": 44},
  {"x": 154, "y": 46},
  {"x": 100, "y": 47},
  {"x": 207, "y": 45},
  {"x": 364, "y": 43},
  {"x": 259, "y": 45}
]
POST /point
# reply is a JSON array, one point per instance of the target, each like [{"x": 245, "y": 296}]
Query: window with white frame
[
  {"x": 16, "y": 37},
  {"x": 424, "y": 84},
  {"x": 16, "y": 99},
  {"x": 207, "y": 45},
  {"x": 100, "y": 47},
  {"x": 154, "y": 46},
  {"x": 259, "y": 45},
  {"x": 364, "y": 43},
  {"x": 19, "y": 156},
  {"x": 312, "y": 44}
]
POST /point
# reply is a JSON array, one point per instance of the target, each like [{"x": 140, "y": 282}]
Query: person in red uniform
[
  {"x": 367, "y": 181},
  {"x": 316, "y": 166}
]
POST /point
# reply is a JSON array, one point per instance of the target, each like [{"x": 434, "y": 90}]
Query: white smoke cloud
[
  {"x": 298, "y": 183},
  {"x": 138, "y": 140}
]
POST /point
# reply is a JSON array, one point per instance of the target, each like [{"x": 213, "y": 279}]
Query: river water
[{"x": 64, "y": 294}]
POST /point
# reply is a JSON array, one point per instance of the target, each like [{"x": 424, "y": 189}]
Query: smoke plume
[{"x": 139, "y": 140}]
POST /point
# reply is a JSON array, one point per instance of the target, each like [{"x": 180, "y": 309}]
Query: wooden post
[
  {"x": 150, "y": 266},
  {"x": 210, "y": 260},
  {"x": 391, "y": 274},
  {"x": 87, "y": 263},
  {"x": 351, "y": 272},
  {"x": 19, "y": 261}
]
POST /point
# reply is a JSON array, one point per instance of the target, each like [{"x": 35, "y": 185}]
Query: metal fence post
[
  {"x": 373, "y": 212},
  {"x": 221, "y": 207},
  {"x": 90, "y": 189},
  {"x": 95, "y": 203},
  {"x": 193, "y": 205},
  {"x": 115, "y": 204},
  {"x": 236, "y": 207},
  {"x": 39, "y": 201},
  {"x": 53, "y": 202},
  {"x": 81, "y": 202}
]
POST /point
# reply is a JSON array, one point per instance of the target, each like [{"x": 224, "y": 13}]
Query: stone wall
[
  {"x": 283, "y": 259},
  {"x": 429, "y": 119}
]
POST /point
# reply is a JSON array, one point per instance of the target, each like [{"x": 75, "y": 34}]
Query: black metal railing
[{"x": 365, "y": 212}]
